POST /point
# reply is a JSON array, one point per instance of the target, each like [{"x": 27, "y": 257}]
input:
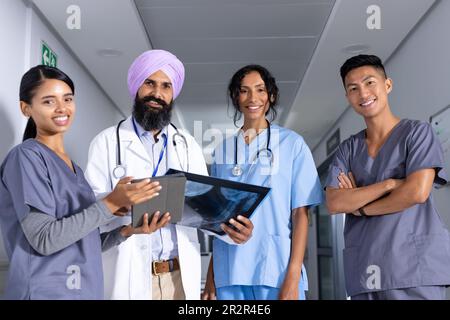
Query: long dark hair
[
  {"x": 31, "y": 81},
  {"x": 234, "y": 88}
]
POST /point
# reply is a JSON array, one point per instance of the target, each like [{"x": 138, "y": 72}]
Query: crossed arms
[{"x": 385, "y": 197}]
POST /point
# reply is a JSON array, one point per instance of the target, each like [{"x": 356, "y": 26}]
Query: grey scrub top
[
  {"x": 33, "y": 176},
  {"x": 406, "y": 249}
]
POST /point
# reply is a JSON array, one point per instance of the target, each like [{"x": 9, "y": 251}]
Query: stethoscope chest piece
[
  {"x": 119, "y": 172},
  {"x": 237, "y": 171}
]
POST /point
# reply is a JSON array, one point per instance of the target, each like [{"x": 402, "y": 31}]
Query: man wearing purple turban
[{"x": 165, "y": 264}]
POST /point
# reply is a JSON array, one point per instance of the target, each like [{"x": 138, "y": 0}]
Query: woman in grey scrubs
[
  {"x": 396, "y": 246},
  {"x": 49, "y": 216}
]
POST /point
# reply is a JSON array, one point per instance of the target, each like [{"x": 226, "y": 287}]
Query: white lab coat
[{"x": 127, "y": 267}]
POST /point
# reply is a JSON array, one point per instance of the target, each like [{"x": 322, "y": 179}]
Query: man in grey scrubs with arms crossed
[{"x": 396, "y": 246}]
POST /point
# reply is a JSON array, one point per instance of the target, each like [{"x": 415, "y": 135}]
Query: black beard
[{"x": 151, "y": 118}]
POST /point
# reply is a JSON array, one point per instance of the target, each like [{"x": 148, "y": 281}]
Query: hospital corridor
[{"x": 343, "y": 191}]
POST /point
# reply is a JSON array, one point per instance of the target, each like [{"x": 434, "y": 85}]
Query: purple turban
[{"x": 151, "y": 61}]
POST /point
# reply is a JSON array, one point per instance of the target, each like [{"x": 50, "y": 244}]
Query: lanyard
[{"x": 161, "y": 154}]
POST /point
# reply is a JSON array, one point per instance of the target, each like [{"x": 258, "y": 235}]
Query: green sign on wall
[{"x": 49, "y": 57}]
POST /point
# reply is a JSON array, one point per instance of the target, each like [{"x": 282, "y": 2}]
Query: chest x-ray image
[{"x": 211, "y": 201}]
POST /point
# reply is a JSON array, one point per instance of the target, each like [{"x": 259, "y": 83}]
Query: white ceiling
[
  {"x": 300, "y": 41},
  {"x": 214, "y": 38},
  {"x": 320, "y": 99}
]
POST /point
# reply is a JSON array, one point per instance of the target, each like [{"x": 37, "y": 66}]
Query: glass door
[{"x": 330, "y": 243}]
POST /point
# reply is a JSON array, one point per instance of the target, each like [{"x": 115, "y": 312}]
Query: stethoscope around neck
[
  {"x": 237, "y": 169},
  {"x": 120, "y": 171}
]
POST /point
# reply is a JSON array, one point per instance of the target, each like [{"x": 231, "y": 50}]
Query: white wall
[
  {"x": 21, "y": 33},
  {"x": 420, "y": 70},
  {"x": 12, "y": 17},
  {"x": 94, "y": 109}
]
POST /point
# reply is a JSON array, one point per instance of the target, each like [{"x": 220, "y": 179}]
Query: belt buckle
[{"x": 154, "y": 268}]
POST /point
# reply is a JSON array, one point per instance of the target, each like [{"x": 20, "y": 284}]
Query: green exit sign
[{"x": 49, "y": 57}]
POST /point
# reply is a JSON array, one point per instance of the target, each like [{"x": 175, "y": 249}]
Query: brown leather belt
[{"x": 165, "y": 266}]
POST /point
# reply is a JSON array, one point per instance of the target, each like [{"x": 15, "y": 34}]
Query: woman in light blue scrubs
[
  {"x": 49, "y": 217},
  {"x": 270, "y": 264}
]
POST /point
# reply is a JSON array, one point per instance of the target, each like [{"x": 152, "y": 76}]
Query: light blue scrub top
[
  {"x": 264, "y": 259},
  {"x": 406, "y": 249},
  {"x": 33, "y": 176}
]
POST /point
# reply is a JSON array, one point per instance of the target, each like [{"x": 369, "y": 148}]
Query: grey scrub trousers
[
  {"x": 418, "y": 293},
  {"x": 406, "y": 249}
]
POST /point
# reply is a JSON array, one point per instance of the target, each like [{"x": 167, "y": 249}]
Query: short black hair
[
  {"x": 361, "y": 61},
  {"x": 234, "y": 88}
]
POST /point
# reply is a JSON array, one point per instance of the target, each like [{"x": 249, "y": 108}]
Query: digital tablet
[{"x": 170, "y": 199}]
